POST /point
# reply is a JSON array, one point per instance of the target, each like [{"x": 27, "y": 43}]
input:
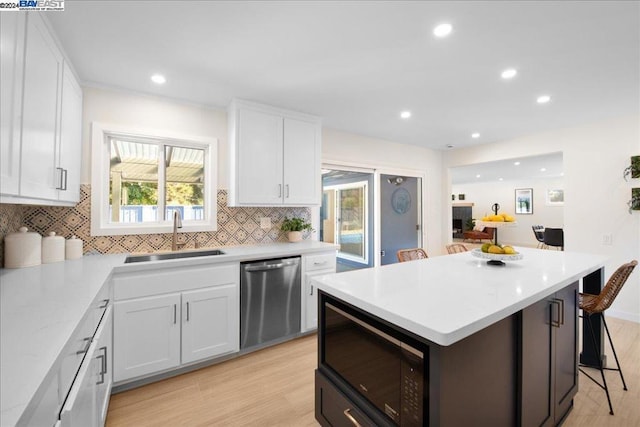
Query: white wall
[
  {"x": 342, "y": 147},
  {"x": 484, "y": 194},
  {"x": 149, "y": 112},
  {"x": 594, "y": 157}
]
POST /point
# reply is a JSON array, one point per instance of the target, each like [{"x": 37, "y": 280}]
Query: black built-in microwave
[{"x": 379, "y": 365}]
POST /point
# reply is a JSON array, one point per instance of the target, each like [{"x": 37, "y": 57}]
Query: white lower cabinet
[
  {"x": 210, "y": 322},
  {"x": 146, "y": 335},
  {"x": 192, "y": 322},
  {"x": 88, "y": 398},
  {"x": 314, "y": 265}
]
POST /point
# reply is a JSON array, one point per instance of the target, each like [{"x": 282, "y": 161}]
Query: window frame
[{"x": 100, "y": 157}]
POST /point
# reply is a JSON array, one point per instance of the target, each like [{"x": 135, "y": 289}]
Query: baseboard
[{"x": 632, "y": 317}]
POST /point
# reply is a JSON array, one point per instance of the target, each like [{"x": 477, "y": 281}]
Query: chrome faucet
[{"x": 177, "y": 223}]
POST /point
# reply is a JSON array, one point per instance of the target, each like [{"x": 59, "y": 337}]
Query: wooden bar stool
[
  {"x": 411, "y": 254},
  {"x": 595, "y": 305}
]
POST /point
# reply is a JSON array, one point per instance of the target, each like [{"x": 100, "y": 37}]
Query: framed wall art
[
  {"x": 524, "y": 201},
  {"x": 555, "y": 197}
]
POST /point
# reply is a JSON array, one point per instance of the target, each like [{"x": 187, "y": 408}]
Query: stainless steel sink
[{"x": 171, "y": 255}]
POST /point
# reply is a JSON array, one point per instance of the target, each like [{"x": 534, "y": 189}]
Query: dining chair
[
  {"x": 554, "y": 237},
  {"x": 411, "y": 254},
  {"x": 595, "y": 305},
  {"x": 538, "y": 231},
  {"x": 456, "y": 248}
]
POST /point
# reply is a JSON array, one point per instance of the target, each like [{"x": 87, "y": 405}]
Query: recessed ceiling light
[
  {"x": 561, "y": 173},
  {"x": 543, "y": 169},
  {"x": 158, "y": 79},
  {"x": 449, "y": 146},
  {"x": 509, "y": 73},
  {"x": 405, "y": 114},
  {"x": 442, "y": 30},
  {"x": 543, "y": 99},
  {"x": 516, "y": 163},
  {"x": 475, "y": 135},
  {"x": 477, "y": 176},
  {"x": 500, "y": 179}
]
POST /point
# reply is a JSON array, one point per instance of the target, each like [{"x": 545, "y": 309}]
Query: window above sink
[{"x": 140, "y": 177}]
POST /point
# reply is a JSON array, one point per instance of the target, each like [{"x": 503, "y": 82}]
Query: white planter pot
[{"x": 294, "y": 236}]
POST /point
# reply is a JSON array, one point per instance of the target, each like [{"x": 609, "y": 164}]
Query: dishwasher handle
[{"x": 268, "y": 267}]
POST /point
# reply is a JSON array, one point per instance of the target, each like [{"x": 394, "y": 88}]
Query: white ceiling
[
  {"x": 358, "y": 64},
  {"x": 545, "y": 166}
]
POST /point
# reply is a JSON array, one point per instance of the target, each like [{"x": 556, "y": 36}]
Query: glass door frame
[
  {"x": 377, "y": 171},
  {"x": 364, "y": 185}
]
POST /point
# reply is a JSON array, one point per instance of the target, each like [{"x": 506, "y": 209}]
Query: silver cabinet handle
[
  {"x": 287, "y": 187},
  {"x": 279, "y": 190},
  {"x": 347, "y": 413},
  {"x": 175, "y": 314},
  {"x": 65, "y": 179},
  {"x": 60, "y": 187},
  {"x": 86, "y": 348},
  {"x": 555, "y": 303},
  {"x": 560, "y": 309},
  {"x": 311, "y": 286},
  {"x": 187, "y": 311},
  {"x": 105, "y": 303},
  {"x": 319, "y": 263},
  {"x": 101, "y": 370}
]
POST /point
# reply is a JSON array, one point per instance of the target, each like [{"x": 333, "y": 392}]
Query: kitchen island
[{"x": 499, "y": 344}]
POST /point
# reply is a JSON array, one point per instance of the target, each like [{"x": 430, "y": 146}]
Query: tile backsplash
[{"x": 236, "y": 226}]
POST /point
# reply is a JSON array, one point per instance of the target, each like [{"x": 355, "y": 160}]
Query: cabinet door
[
  {"x": 104, "y": 357},
  {"x": 259, "y": 172},
  {"x": 537, "y": 364},
  {"x": 79, "y": 410},
  {"x": 146, "y": 336},
  {"x": 210, "y": 322},
  {"x": 69, "y": 153},
  {"x": 310, "y": 297},
  {"x": 12, "y": 31},
  {"x": 566, "y": 350},
  {"x": 302, "y": 178},
  {"x": 39, "y": 177}
]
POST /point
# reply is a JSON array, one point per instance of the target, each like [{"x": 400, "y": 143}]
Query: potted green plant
[{"x": 294, "y": 228}]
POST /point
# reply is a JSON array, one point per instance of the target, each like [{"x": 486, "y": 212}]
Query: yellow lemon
[
  {"x": 497, "y": 218},
  {"x": 509, "y": 250},
  {"x": 494, "y": 249},
  {"x": 485, "y": 247}
]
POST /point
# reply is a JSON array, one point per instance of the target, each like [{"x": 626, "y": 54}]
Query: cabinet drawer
[
  {"x": 334, "y": 409},
  {"x": 320, "y": 262},
  {"x": 174, "y": 279}
]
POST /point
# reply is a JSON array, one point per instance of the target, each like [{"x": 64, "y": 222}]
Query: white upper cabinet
[
  {"x": 11, "y": 61},
  {"x": 274, "y": 156},
  {"x": 40, "y": 106},
  {"x": 69, "y": 154},
  {"x": 41, "y": 134}
]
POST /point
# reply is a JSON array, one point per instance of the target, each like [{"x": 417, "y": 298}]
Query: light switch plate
[
  {"x": 607, "y": 239},
  {"x": 265, "y": 222}
]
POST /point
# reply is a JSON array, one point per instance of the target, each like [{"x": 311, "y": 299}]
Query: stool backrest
[
  {"x": 411, "y": 254},
  {"x": 456, "y": 248},
  {"x": 608, "y": 294}
]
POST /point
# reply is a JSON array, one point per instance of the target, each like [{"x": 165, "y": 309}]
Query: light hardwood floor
[{"x": 274, "y": 387}]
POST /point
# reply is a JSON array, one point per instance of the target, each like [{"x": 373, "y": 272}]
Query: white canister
[
  {"x": 22, "y": 249},
  {"x": 52, "y": 248},
  {"x": 73, "y": 248}
]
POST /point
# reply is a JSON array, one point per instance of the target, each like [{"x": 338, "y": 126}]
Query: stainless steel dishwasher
[{"x": 269, "y": 301}]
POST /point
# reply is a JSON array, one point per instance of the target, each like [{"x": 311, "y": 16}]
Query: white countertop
[
  {"x": 41, "y": 306},
  {"x": 447, "y": 298}
]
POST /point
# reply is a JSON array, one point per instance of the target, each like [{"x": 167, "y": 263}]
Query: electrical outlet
[
  {"x": 265, "y": 223},
  {"x": 607, "y": 239}
]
